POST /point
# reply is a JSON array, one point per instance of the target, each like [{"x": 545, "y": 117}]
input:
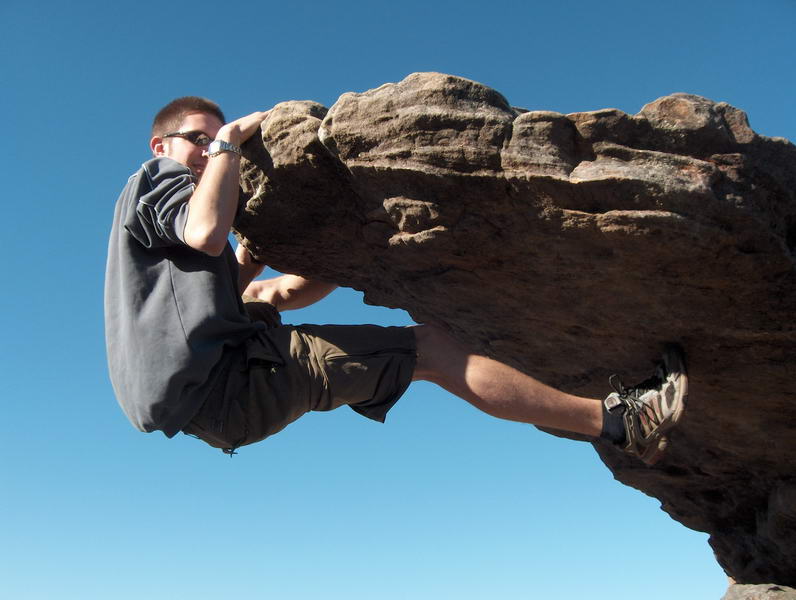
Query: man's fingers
[
  {"x": 240, "y": 130},
  {"x": 250, "y": 123}
]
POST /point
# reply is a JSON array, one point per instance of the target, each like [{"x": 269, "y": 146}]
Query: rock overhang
[{"x": 570, "y": 246}]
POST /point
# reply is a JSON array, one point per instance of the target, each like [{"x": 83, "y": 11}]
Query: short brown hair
[{"x": 170, "y": 117}]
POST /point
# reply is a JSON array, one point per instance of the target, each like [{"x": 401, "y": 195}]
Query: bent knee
[{"x": 437, "y": 352}]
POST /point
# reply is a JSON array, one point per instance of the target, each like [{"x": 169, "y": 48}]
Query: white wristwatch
[{"x": 216, "y": 147}]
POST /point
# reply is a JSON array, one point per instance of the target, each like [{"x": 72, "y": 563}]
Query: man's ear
[{"x": 156, "y": 144}]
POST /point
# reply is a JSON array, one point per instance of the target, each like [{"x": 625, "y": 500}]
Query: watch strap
[{"x": 216, "y": 147}]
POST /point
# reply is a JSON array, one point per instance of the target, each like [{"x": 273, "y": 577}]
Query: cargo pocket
[{"x": 369, "y": 383}]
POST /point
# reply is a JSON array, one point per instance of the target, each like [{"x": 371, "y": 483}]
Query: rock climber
[{"x": 187, "y": 354}]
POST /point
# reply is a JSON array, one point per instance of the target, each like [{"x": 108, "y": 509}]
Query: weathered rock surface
[
  {"x": 760, "y": 592},
  {"x": 571, "y": 246}
]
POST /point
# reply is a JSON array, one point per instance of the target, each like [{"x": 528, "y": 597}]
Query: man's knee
[{"x": 437, "y": 352}]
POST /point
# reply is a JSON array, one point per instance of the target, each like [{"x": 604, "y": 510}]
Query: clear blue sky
[{"x": 441, "y": 502}]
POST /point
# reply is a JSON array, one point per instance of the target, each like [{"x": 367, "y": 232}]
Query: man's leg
[
  {"x": 500, "y": 390},
  {"x": 637, "y": 419}
]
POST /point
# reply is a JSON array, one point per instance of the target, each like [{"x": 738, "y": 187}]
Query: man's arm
[
  {"x": 289, "y": 292},
  {"x": 213, "y": 205},
  {"x": 248, "y": 268}
]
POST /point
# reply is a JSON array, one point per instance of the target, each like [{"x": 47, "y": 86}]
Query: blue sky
[{"x": 441, "y": 502}]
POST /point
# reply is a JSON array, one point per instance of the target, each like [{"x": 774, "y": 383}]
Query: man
[{"x": 186, "y": 354}]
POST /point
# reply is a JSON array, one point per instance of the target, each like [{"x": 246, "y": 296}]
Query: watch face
[{"x": 214, "y": 148}]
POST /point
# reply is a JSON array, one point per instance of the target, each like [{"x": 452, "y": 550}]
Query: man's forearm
[
  {"x": 212, "y": 207},
  {"x": 248, "y": 268},
  {"x": 289, "y": 292},
  {"x": 306, "y": 292}
]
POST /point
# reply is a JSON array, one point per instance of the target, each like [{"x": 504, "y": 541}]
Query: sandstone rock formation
[
  {"x": 571, "y": 246},
  {"x": 760, "y": 592}
]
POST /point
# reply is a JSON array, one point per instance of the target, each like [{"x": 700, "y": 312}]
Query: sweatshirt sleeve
[{"x": 161, "y": 211}]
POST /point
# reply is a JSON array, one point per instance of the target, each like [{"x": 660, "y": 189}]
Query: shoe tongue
[{"x": 651, "y": 383}]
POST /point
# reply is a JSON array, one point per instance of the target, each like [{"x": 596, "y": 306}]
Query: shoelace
[{"x": 648, "y": 418}]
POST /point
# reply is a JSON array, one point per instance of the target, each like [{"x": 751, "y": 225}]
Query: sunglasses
[{"x": 197, "y": 138}]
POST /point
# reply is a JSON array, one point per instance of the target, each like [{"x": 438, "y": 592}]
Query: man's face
[{"x": 184, "y": 151}]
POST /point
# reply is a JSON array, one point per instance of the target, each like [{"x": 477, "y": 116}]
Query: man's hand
[
  {"x": 248, "y": 268},
  {"x": 213, "y": 205},
  {"x": 242, "y": 129}
]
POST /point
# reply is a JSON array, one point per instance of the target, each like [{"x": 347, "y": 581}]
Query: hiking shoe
[{"x": 651, "y": 408}]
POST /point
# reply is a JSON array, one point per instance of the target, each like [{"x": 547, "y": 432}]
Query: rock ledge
[{"x": 571, "y": 246}]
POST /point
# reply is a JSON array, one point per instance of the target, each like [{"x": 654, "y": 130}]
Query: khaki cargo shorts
[{"x": 287, "y": 371}]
